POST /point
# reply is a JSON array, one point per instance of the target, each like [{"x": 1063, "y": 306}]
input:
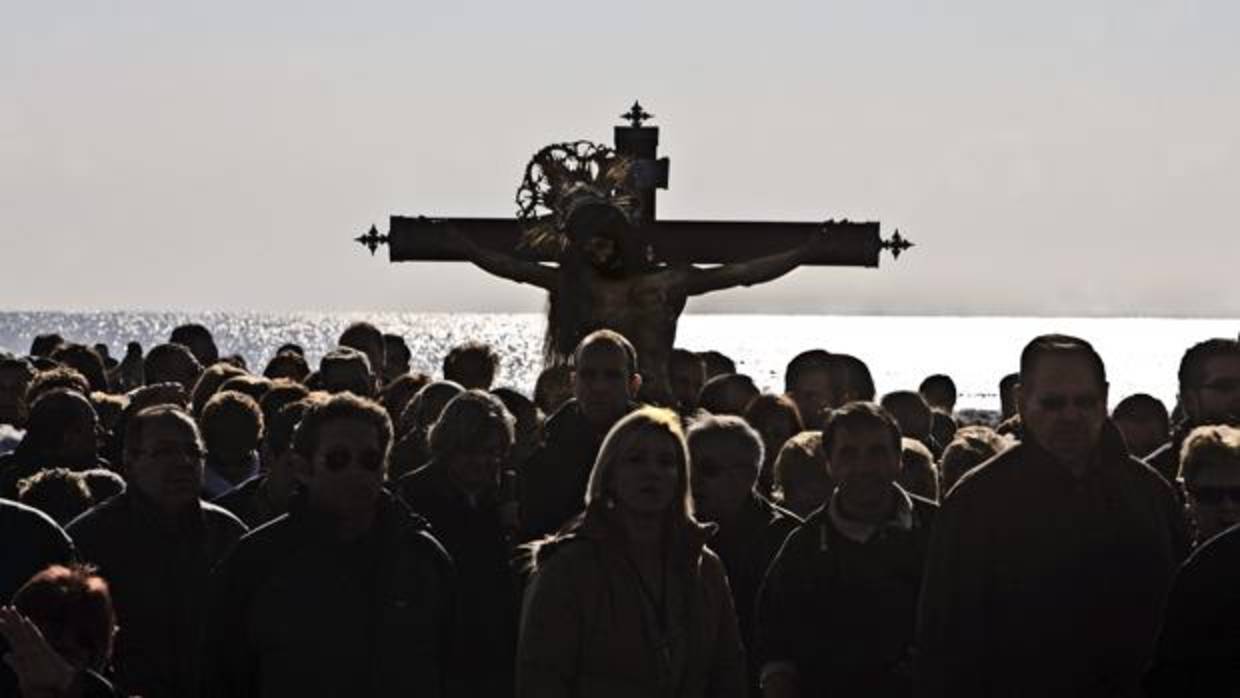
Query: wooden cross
[{"x": 853, "y": 244}]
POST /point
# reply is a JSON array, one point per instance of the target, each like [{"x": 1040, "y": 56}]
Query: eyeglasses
[
  {"x": 338, "y": 459},
  {"x": 1215, "y": 495}
]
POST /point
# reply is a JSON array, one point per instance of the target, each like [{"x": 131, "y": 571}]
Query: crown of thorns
[{"x": 562, "y": 178}]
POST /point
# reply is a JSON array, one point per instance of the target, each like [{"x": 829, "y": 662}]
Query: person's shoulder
[
  {"x": 236, "y": 497},
  {"x": 996, "y": 473},
  {"x": 219, "y": 517},
  {"x": 110, "y": 512},
  {"x": 266, "y": 544},
  {"x": 27, "y": 522},
  {"x": 1222, "y": 552}
]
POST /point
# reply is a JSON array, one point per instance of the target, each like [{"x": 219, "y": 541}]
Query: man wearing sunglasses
[
  {"x": 347, "y": 594},
  {"x": 1209, "y": 394}
]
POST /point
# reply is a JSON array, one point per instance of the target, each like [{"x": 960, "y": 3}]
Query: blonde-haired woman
[{"x": 627, "y": 601}]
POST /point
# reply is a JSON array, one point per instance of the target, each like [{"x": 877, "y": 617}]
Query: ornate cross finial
[
  {"x": 896, "y": 244},
  {"x": 636, "y": 115},
  {"x": 372, "y": 240}
]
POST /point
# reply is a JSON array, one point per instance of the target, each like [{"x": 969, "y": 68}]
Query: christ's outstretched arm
[
  {"x": 698, "y": 281},
  {"x": 504, "y": 265}
]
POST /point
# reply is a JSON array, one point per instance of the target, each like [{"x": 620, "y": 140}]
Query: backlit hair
[{"x": 1209, "y": 445}]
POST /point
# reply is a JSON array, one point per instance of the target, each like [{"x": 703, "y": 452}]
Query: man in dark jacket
[
  {"x": 155, "y": 544},
  {"x": 838, "y": 608},
  {"x": 1209, "y": 394},
  {"x": 553, "y": 483},
  {"x": 347, "y": 594},
  {"x": 1050, "y": 564},
  {"x": 726, "y": 455}
]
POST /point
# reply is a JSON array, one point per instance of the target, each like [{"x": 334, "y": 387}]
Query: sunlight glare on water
[{"x": 1141, "y": 355}]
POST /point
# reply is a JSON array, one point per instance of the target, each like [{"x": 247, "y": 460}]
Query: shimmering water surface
[{"x": 1141, "y": 354}]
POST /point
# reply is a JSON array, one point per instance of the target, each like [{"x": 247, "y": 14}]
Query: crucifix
[{"x": 587, "y": 233}]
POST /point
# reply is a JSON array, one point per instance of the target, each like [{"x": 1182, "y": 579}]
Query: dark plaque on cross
[{"x": 854, "y": 243}]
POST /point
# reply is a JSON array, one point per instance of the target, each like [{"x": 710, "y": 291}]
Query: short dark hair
[
  {"x": 714, "y": 397},
  {"x": 50, "y": 413},
  {"x": 171, "y": 358},
  {"x": 45, "y": 344},
  {"x": 860, "y": 415},
  {"x": 59, "y": 377},
  {"x": 939, "y": 389},
  {"x": 1193, "y": 364},
  {"x": 767, "y": 406},
  {"x": 340, "y": 406},
  {"x": 608, "y": 337},
  {"x": 850, "y": 374},
  {"x": 58, "y": 492},
  {"x": 1059, "y": 344},
  {"x": 209, "y": 382},
  {"x": 717, "y": 363},
  {"x": 1140, "y": 407},
  {"x": 805, "y": 362},
  {"x": 726, "y": 426},
  {"x": 287, "y": 364},
  {"x": 194, "y": 336},
  {"x": 87, "y": 362},
  {"x": 135, "y": 428},
  {"x": 229, "y": 411},
  {"x": 460, "y": 357},
  {"x": 463, "y": 420},
  {"x": 912, "y": 404},
  {"x": 282, "y": 392}
]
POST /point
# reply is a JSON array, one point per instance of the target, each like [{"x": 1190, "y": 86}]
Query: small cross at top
[{"x": 636, "y": 115}]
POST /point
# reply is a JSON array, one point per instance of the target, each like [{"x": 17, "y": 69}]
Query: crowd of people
[{"x": 177, "y": 524}]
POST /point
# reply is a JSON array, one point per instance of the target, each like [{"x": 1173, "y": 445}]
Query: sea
[{"x": 1141, "y": 354}]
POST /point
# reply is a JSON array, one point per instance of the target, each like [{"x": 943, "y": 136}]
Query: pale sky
[{"x": 1058, "y": 158}]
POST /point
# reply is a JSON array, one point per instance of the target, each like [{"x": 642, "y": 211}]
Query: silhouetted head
[
  {"x": 472, "y": 440},
  {"x": 726, "y": 455},
  {"x": 72, "y": 608},
  {"x": 687, "y": 373},
  {"x": 1210, "y": 471},
  {"x": 1144, "y": 422},
  {"x": 1210, "y": 382},
  {"x": 1062, "y": 397},
  {"x": 605, "y": 377},
  {"x": 728, "y": 394},
  {"x": 472, "y": 364},
  {"x": 939, "y": 390},
  {"x": 199, "y": 341},
  {"x": 172, "y": 363},
  {"x": 367, "y": 339}
]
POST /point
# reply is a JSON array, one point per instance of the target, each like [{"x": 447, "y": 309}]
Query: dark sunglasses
[
  {"x": 339, "y": 459},
  {"x": 1215, "y": 495}
]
